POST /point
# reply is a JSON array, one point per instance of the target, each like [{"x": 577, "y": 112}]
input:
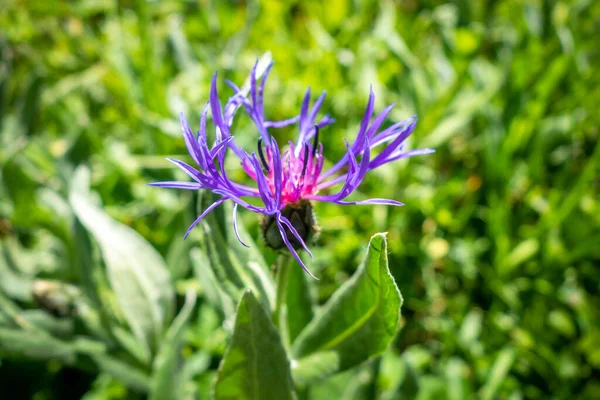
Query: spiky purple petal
[{"x": 235, "y": 226}]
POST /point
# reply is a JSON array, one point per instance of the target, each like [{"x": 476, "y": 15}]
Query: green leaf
[
  {"x": 62, "y": 327},
  {"x": 36, "y": 345},
  {"x": 16, "y": 285},
  {"x": 506, "y": 357},
  {"x": 133, "y": 346},
  {"x": 299, "y": 302},
  {"x": 360, "y": 319},
  {"x": 130, "y": 376},
  {"x": 349, "y": 385},
  {"x": 211, "y": 288},
  {"x": 410, "y": 386},
  {"x": 236, "y": 267},
  {"x": 177, "y": 257},
  {"x": 10, "y": 312},
  {"x": 167, "y": 382},
  {"x": 320, "y": 364},
  {"x": 136, "y": 272},
  {"x": 88, "y": 269},
  {"x": 194, "y": 369},
  {"x": 255, "y": 366},
  {"x": 457, "y": 379}
]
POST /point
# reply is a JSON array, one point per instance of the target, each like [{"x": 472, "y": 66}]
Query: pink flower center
[
  {"x": 300, "y": 174},
  {"x": 300, "y": 171}
]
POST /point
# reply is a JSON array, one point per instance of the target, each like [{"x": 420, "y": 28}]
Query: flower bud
[
  {"x": 302, "y": 218},
  {"x": 56, "y": 297}
]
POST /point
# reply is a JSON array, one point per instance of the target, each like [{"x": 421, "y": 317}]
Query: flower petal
[
  {"x": 277, "y": 171},
  {"x": 316, "y": 107},
  {"x": 287, "y": 223},
  {"x": 191, "y": 143},
  {"x": 386, "y": 202},
  {"x": 263, "y": 186},
  {"x": 246, "y": 205},
  {"x": 215, "y": 104},
  {"x": 261, "y": 89},
  {"x": 192, "y": 172},
  {"x": 177, "y": 185},
  {"x": 235, "y": 228},
  {"x": 403, "y": 154},
  {"x": 304, "y": 114},
  {"x": 394, "y": 145},
  {"x": 291, "y": 248},
  {"x": 378, "y": 121},
  {"x": 366, "y": 117},
  {"x": 204, "y": 214},
  {"x": 281, "y": 124}
]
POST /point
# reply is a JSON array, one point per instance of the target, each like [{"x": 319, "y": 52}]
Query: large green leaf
[
  {"x": 359, "y": 320},
  {"x": 255, "y": 366},
  {"x": 236, "y": 267},
  {"x": 167, "y": 380},
  {"x": 136, "y": 271}
]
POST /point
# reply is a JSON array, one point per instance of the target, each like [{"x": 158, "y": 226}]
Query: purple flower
[{"x": 287, "y": 182}]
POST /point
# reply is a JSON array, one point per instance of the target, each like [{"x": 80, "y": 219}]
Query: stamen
[
  {"x": 315, "y": 140},
  {"x": 305, "y": 160},
  {"x": 262, "y": 156}
]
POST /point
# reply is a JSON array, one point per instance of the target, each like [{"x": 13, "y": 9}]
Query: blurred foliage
[{"x": 496, "y": 252}]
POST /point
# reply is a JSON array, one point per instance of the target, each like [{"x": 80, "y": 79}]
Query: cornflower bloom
[{"x": 286, "y": 183}]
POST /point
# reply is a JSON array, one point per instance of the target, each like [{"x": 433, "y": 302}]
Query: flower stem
[{"x": 280, "y": 312}]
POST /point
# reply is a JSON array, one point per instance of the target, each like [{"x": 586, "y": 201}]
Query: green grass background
[{"x": 497, "y": 251}]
